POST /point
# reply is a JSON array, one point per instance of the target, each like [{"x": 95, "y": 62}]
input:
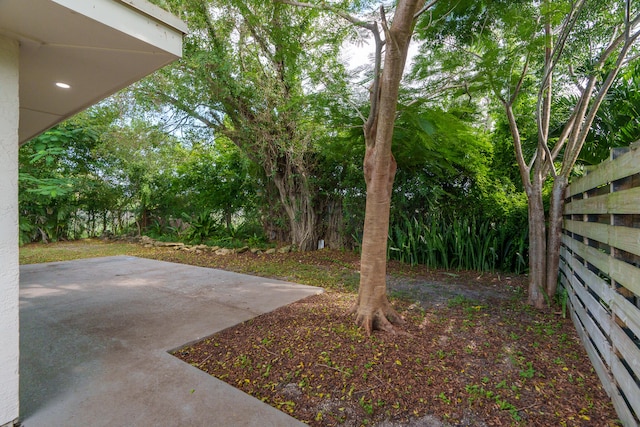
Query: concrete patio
[
  {"x": 57, "y": 58},
  {"x": 95, "y": 336}
]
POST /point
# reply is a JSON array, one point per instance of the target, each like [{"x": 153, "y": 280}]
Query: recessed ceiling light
[{"x": 63, "y": 85}]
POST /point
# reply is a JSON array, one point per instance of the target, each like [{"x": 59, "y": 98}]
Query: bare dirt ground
[{"x": 470, "y": 352}]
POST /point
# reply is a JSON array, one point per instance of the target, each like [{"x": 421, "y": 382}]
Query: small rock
[
  {"x": 168, "y": 244},
  {"x": 242, "y": 250},
  {"x": 426, "y": 421},
  {"x": 270, "y": 251},
  {"x": 285, "y": 249},
  {"x": 224, "y": 251},
  {"x": 291, "y": 390}
]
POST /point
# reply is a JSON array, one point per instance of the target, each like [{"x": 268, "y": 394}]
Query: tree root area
[
  {"x": 380, "y": 319},
  {"x": 470, "y": 362}
]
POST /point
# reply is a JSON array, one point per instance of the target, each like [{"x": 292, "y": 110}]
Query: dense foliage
[{"x": 256, "y": 136}]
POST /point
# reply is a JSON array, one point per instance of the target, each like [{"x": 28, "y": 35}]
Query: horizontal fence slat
[
  {"x": 625, "y": 238},
  {"x": 623, "y": 273},
  {"x": 595, "y": 283},
  {"x": 590, "y": 325},
  {"x": 593, "y": 230},
  {"x": 626, "y": 384},
  {"x": 627, "y": 312},
  {"x": 608, "y": 171},
  {"x": 598, "y": 364},
  {"x": 620, "y": 202},
  {"x": 627, "y": 348},
  {"x": 622, "y": 409}
]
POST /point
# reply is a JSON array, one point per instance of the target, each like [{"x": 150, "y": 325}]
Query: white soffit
[{"x": 97, "y": 47}]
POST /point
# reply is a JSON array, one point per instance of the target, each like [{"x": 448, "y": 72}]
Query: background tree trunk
[
  {"x": 330, "y": 223},
  {"x": 296, "y": 198}
]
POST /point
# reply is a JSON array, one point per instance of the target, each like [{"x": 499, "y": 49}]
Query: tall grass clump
[{"x": 458, "y": 243}]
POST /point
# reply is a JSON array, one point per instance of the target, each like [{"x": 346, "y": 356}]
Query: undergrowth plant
[
  {"x": 457, "y": 243},
  {"x": 201, "y": 226}
]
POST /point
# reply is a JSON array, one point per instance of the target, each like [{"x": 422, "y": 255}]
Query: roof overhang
[{"x": 97, "y": 47}]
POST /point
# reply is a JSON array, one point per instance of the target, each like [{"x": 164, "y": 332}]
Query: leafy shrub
[
  {"x": 467, "y": 243},
  {"x": 201, "y": 227}
]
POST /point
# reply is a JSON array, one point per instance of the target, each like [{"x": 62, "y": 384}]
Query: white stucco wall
[{"x": 9, "y": 336}]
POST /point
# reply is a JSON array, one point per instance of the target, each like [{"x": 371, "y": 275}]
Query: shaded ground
[{"x": 473, "y": 354}]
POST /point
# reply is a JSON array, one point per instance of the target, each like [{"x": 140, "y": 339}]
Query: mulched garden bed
[{"x": 470, "y": 353}]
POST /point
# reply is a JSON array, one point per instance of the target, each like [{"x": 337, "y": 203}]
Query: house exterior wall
[{"x": 9, "y": 286}]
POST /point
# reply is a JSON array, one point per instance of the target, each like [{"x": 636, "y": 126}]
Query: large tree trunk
[
  {"x": 373, "y": 310},
  {"x": 533, "y": 184},
  {"x": 544, "y": 242},
  {"x": 537, "y": 247},
  {"x": 554, "y": 238}
]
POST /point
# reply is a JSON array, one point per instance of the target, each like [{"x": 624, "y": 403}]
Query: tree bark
[
  {"x": 537, "y": 248},
  {"x": 331, "y": 225},
  {"x": 297, "y": 200},
  {"x": 373, "y": 310},
  {"x": 554, "y": 239}
]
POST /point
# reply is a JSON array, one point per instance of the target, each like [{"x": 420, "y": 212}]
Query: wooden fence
[{"x": 600, "y": 271}]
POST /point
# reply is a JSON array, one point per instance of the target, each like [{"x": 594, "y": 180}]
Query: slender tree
[
  {"x": 546, "y": 49},
  {"x": 372, "y": 309}
]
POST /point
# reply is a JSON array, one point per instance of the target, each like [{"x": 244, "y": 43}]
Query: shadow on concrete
[{"x": 94, "y": 337}]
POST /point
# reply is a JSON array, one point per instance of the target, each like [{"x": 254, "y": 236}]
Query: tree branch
[
  {"x": 573, "y": 76},
  {"x": 261, "y": 41},
  {"x": 370, "y": 123},
  {"x": 533, "y": 160},
  {"x": 375, "y": 90},
  {"x": 425, "y": 8},
  {"x": 383, "y": 20},
  {"x": 590, "y": 115},
  {"x": 588, "y": 107},
  {"x": 563, "y": 137},
  {"x": 518, "y": 87},
  {"x": 567, "y": 27},
  {"x": 543, "y": 104},
  {"x": 517, "y": 143},
  {"x": 181, "y": 106},
  {"x": 324, "y": 6},
  {"x": 357, "y": 110},
  {"x": 552, "y": 56}
]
